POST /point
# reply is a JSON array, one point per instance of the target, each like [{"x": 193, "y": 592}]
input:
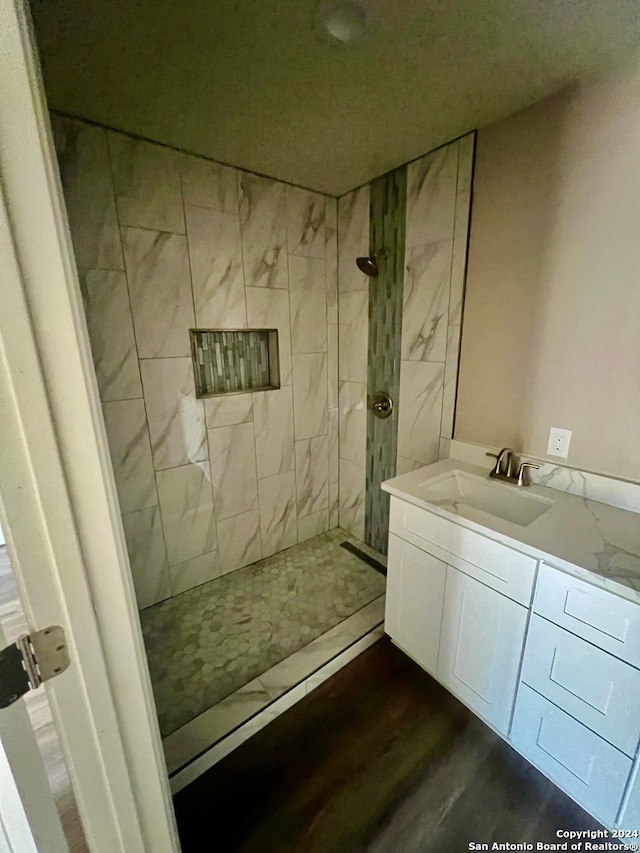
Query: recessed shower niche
[{"x": 233, "y": 361}]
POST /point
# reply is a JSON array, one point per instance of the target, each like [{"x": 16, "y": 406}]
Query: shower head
[{"x": 368, "y": 266}]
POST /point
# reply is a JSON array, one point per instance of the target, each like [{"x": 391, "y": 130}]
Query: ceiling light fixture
[{"x": 341, "y": 21}]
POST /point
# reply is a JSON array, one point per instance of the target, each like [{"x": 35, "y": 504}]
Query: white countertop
[{"x": 592, "y": 540}]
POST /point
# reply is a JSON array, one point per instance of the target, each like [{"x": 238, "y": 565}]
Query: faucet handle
[{"x": 522, "y": 478}]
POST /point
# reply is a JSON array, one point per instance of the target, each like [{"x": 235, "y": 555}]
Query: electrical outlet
[{"x": 559, "y": 441}]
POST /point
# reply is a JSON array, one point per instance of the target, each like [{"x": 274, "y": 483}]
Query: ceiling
[{"x": 250, "y": 82}]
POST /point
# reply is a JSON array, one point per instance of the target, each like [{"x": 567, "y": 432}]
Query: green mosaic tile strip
[
  {"x": 206, "y": 643},
  {"x": 386, "y": 235},
  {"x": 226, "y": 362}
]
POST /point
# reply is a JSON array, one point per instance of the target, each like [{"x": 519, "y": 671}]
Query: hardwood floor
[
  {"x": 379, "y": 758},
  {"x": 14, "y": 625}
]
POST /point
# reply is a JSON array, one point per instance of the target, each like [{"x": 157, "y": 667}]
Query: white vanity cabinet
[
  {"x": 556, "y": 673},
  {"x": 584, "y": 765},
  {"x": 444, "y": 610},
  {"x": 415, "y": 593},
  {"x": 480, "y": 647},
  {"x": 577, "y": 715}
]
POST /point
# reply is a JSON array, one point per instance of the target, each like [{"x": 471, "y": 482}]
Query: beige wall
[{"x": 551, "y": 333}]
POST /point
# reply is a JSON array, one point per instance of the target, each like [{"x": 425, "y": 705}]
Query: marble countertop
[{"x": 592, "y": 540}]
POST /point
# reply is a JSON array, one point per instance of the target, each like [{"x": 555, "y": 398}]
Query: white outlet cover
[{"x": 559, "y": 441}]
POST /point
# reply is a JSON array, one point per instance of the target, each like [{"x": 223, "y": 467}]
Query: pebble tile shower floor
[{"x": 207, "y": 642}]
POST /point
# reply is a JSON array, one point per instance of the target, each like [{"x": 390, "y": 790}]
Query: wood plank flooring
[
  {"x": 379, "y": 758},
  {"x": 14, "y": 625}
]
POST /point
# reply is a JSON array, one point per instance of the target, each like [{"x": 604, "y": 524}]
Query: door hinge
[{"x": 30, "y": 661}]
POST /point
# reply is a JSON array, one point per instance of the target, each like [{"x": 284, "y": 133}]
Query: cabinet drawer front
[
  {"x": 496, "y": 565},
  {"x": 589, "y": 769},
  {"x": 607, "y": 621},
  {"x": 413, "y": 609},
  {"x": 594, "y": 687},
  {"x": 481, "y": 647}
]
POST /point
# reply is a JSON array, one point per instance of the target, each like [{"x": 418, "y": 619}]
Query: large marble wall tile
[
  {"x": 334, "y": 505},
  {"x": 313, "y": 525},
  {"x": 305, "y": 222},
  {"x": 312, "y": 475},
  {"x": 269, "y": 309},
  {"x": 147, "y": 555},
  {"x": 308, "y": 298},
  {"x": 420, "y": 410},
  {"x": 352, "y": 498},
  {"x": 330, "y": 216},
  {"x": 85, "y": 172},
  {"x": 405, "y": 466},
  {"x": 450, "y": 380},
  {"x": 353, "y": 238},
  {"x": 176, "y": 417},
  {"x": 146, "y": 179},
  {"x": 331, "y": 259},
  {"x": 113, "y": 346},
  {"x": 353, "y": 336},
  {"x": 186, "y": 504},
  {"x": 126, "y": 425},
  {"x": 331, "y": 272},
  {"x": 277, "y": 496},
  {"x": 459, "y": 259},
  {"x": 160, "y": 288},
  {"x": 228, "y": 409},
  {"x": 233, "y": 469},
  {"x": 353, "y": 422},
  {"x": 426, "y": 302},
  {"x": 215, "y": 252},
  {"x": 310, "y": 394},
  {"x": 332, "y": 366},
  {"x": 431, "y": 192},
  {"x": 194, "y": 572},
  {"x": 273, "y": 420},
  {"x": 239, "y": 541},
  {"x": 209, "y": 184},
  {"x": 458, "y": 276},
  {"x": 333, "y": 435},
  {"x": 264, "y": 231}
]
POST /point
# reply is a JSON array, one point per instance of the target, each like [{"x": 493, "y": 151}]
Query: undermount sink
[{"x": 457, "y": 488}]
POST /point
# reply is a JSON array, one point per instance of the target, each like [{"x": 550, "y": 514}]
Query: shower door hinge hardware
[{"x": 30, "y": 661}]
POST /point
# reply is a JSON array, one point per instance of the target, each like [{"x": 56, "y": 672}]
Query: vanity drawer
[
  {"x": 584, "y": 765},
  {"x": 492, "y": 563},
  {"x": 594, "y": 687},
  {"x": 600, "y": 616}
]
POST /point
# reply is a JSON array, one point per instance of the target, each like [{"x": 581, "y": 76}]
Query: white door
[
  {"x": 415, "y": 593},
  {"x": 480, "y": 647},
  {"x": 59, "y": 505}
]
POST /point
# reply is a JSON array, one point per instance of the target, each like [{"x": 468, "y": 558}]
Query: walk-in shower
[{"x": 218, "y": 378}]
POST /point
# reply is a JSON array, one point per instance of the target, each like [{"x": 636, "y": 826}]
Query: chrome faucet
[{"x": 505, "y": 461}]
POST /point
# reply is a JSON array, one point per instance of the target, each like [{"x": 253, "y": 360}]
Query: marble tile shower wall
[
  {"x": 165, "y": 242},
  {"x": 437, "y": 221},
  {"x": 353, "y": 297},
  {"x": 438, "y": 207}
]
